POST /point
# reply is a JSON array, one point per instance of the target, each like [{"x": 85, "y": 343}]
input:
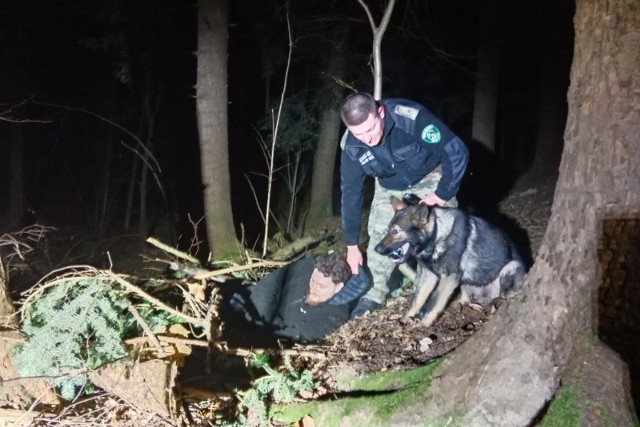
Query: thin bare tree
[
  {"x": 273, "y": 142},
  {"x": 378, "y": 33}
]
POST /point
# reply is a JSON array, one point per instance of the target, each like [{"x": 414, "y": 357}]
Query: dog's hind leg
[
  {"x": 511, "y": 278},
  {"x": 425, "y": 284},
  {"x": 446, "y": 287}
]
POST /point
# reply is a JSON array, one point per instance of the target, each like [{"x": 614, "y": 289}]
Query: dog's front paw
[
  {"x": 428, "y": 320},
  {"x": 406, "y": 319}
]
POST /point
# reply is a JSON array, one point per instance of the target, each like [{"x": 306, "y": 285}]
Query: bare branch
[
  {"x": 241, "y": 268},
  {"x": 378, "y": 33},
  {"x": 4, "y": 114},
  {"x": 275, "y": 135},
  {"x": 144, "y": 156},
  {"x": 155, "y": 242}
]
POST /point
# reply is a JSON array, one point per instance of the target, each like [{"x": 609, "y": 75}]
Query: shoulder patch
[
  {"x": 409, "y": 112},
  {"x": 431, "y": 134}
]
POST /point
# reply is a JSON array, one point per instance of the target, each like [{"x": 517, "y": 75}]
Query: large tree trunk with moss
[
  {"x": 507, "y": 373},
  {"x": 211, "y": 106}
]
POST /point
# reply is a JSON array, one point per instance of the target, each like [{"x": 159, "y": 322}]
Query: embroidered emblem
[
  {"x": 431, "y": 134},
  {"x": 409, "y": 112},
  {"x": 365, "y": 158}
]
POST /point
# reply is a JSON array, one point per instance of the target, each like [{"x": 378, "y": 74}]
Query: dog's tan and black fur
[{"x": 453, "y": 250}]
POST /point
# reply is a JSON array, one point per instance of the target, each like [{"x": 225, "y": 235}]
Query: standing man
[{"x": 407, "y": 149}]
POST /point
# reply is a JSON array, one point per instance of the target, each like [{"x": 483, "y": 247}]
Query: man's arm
[
  {"x": 352, "y": 178},
  {"x": 265, "y": 295},
  {"x": 452, "y": 152},
  {"x": 455, "y": 157}
]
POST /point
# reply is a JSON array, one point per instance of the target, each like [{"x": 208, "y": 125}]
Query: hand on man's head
[{"x": 354, "y": 258}]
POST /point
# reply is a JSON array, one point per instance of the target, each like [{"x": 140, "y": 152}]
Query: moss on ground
[
  {"x": 373, "y": 400},
  {"x": 564, "y": 411}
]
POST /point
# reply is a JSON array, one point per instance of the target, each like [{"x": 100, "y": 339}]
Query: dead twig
[
  {"x": 240, "y": 268},
  {"x": 155, "y": 301},
  {"x": 155, "y": 242},
  {"x": 151, "y": 337},
  {"x": 169, "y": 339},
  {"x": 188, "y": 270}
]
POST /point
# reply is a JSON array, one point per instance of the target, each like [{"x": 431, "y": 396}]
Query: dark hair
[
  {"x": 334, "y": 265},
  {"x": 357, "y": 107}
]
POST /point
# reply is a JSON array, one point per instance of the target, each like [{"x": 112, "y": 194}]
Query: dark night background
[{"x": 64, "y": 61}]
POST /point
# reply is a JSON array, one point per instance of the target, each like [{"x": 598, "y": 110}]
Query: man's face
[
  {"x": 321, "y": 288},
  {"x": 371, "y": 130}
]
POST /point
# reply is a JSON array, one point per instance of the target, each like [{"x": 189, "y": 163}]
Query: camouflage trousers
[{"x": 380, "y": 214}]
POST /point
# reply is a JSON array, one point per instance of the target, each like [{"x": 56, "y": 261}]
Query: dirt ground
[{"x": 378, "y": 341}]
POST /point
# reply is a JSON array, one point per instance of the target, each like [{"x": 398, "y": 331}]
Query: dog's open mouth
[{"x": 399, "y": 255}]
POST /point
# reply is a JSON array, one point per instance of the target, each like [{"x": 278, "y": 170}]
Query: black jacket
[
  {"x": 277, "y": 302},
  {"x": 415, "y": 142}
]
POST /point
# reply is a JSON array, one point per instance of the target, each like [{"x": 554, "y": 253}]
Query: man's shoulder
[
  {"x": 351, "y": 146},
  {"x": 302, "y": 266},
  {"x": 400, "y": 107}
]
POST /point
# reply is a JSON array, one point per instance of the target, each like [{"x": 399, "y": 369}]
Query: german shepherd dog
[{"x": 453, "y": 250}]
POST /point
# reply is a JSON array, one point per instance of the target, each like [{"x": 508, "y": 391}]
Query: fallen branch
[
  {"x": 155, "y": 242},
  {"x": 11, "y": 416},
  {"x": 155, "y": 301},
  {"x": 292, "y": 352},
  {"x": 188, "y": 270},
  {"x": 240, "y": 268},
  {"x": 170, "y": 340},
  {"x": 151, "y": 337},
  {"x": 298, "y": 246},
  {"x": 232, "y": 351}
]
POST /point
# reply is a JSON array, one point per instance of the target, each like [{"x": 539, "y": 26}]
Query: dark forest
[
  {"x": 77, "y": 75},
  {"x": 143, "y": 144}
]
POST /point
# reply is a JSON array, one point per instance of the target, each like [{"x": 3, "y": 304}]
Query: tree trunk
[
  {"x": 554, "y": 68},
  {"x": 486, "y": 92},
  {"x": 324, "y": 158},
  {"x": 7, "y": 310},
  {"x": 505, "y": 374},
  {"x": 211, "y": 92}
]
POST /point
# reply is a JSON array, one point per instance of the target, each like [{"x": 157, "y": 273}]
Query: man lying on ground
[{"x": 302, "y": 301}]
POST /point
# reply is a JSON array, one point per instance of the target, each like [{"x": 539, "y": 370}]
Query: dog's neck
[{"x": 427, "y": 243}]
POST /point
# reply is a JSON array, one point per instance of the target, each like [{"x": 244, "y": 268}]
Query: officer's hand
[
  {"x": 432, "y": 200},
  {"x": 354, "y": 258}
]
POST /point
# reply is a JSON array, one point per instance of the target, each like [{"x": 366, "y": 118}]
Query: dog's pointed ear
[
  {"x": 423, "y": 214},
  {"x": 397, "y": 203}
]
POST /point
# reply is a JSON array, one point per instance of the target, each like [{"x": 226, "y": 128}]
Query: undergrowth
[
  {"x": 275, "y": 386},
  {"x": 78, "y": 325}
]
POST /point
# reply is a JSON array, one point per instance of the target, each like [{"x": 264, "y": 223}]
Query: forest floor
[{"x": 375, "y": 342}]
